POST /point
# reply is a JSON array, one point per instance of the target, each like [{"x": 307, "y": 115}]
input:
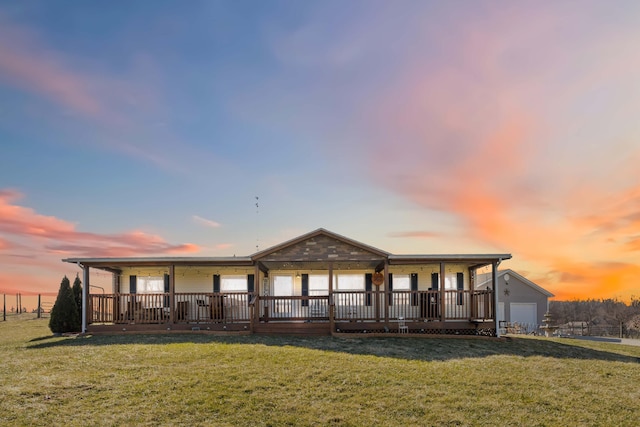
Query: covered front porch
[{"x": 319, "y": 283}]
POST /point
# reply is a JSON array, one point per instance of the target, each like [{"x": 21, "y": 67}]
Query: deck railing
[
  {"x": 155, "y": 308},
  {"x": 294, "y": 308},
  {"x": 198, "y": 307},
  {"x": 355, "y": 305}
]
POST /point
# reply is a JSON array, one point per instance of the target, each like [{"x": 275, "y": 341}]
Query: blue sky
[{"x": 149, "y": 128}]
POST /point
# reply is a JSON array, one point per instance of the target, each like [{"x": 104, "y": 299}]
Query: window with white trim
[
  {"x": 349, "y": 282},
  {"x": 401, "y": 282},
  {"x": 234, "y": 283},
  {"x": 450, "y": 281},
  {"x": 150, "y": 285},
  {"x": 318, "y": 285}
]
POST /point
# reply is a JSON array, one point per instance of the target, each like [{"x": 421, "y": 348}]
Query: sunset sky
[{"x": 150, "y": 127}]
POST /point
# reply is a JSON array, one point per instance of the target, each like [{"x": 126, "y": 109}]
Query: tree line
[{"x": 599, "y": 316}]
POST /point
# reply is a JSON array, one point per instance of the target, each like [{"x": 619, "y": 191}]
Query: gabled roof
[
  {"x": 316, "y": 233},
  {"x": 522, "y": 279},
  {"x": 311, "y": 249}
]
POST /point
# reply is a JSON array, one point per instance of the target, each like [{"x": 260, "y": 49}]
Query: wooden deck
[{"x": 423, "y": 313}]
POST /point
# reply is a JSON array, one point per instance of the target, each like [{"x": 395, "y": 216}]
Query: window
[
  {"x": 455, "y": 282},
  {"x": 349, "y": 282},
  {"x": 401, "y": 282},
  {"x": 318, "y": 285},
  {"x": 283, "y": 286},
  {"x": 150, "y": 285},
  {"x": 450, "y": 282},
  {"x": 233, "y": 283}
]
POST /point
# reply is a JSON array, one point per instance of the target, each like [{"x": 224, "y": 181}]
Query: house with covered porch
[{"x": 317, "y": 283}]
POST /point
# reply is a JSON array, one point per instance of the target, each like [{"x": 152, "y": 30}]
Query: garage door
[{"x": 524, "y": 313}]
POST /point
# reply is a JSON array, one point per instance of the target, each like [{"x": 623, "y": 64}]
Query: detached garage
[{"x": 519, "y": 300}]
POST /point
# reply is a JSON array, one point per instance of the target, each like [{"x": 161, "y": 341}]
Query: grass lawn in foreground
[{"x": 179, "y": 379}]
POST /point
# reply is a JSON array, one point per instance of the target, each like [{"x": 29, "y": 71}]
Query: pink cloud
[
  {"x": 127, "y": 111},
  {"x": 43, "y": 240},
  {"x": 24, "y": 222},
  {"x": 26, "y": 64}
]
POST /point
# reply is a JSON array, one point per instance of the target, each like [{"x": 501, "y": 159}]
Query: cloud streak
[
  {"x": 414, "y": 234},
  {"x": 206, "y": 222}
]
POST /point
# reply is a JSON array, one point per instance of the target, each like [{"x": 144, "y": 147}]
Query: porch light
[{"x": 506, "y": 278}]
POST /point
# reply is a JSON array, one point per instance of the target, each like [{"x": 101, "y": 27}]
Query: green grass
[{"x": 180, "y": 379}]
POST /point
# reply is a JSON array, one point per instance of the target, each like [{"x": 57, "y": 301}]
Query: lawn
[{"x": 178, "y": 379}]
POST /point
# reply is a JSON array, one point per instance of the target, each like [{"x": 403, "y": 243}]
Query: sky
[{"x": 213, "y": 128}]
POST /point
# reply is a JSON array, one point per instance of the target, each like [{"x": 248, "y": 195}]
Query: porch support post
[
  {"x": 332, "y": 320},
  {"x": 115, "y": 277},
  {"x": 255, "y": 316},
  {"x": 443, "y": 307},
  {"x": 472, "y": 286},
  {"x": 386, "y": 292},
  {"x": 85, "y": 297},
  {"x": 376, "y": 296},
  {"x": 172, "y": 293},
  {"x": 494, "y": 281}
]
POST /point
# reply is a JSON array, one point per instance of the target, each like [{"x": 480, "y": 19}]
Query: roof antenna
[{"x": 257, "y": 224}]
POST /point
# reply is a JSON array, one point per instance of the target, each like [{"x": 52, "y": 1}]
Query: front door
[{"x": 282, "y": 287}]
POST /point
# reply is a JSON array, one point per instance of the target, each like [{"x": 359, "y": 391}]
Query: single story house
[
  {"x": 317, "y": 283},
  {"x": 521, "y": 303}
]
